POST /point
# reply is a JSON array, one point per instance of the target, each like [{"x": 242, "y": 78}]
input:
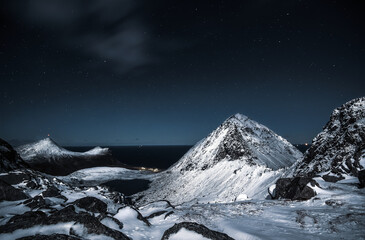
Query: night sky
[{"x": 131, "y": 72}]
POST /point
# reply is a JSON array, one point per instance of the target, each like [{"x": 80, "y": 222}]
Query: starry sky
[{"x": 131, "y": 72}]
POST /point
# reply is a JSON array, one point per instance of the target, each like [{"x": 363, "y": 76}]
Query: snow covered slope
[
  {"x": 47, "y": 156},
  {"x": 338, "y": 149},
  {"x": 240, "y": 159}
]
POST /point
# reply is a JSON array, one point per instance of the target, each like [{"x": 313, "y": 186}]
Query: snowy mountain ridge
[
  {"x": 340, "y": 147},
  {"x": 239, "y": 159},
  {"x": 48, "y": 148}
]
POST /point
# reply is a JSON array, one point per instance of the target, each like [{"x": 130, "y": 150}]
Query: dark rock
[
  {"x": 14, "y": 178},
  {"x": 31, "y": 184},
  {"x": 51, "y": 192},
  {"x": 26, "y": 220},
  {"x": 156, "y": 214},
  {"x": 50, "y": 237},
  {"x": 9, "y": 158},
  {"x": 92, "y": 204},
  {"x": 198, "y": 228},
  {"x": 361, "y": 176},
  {"x": 10, "y": 193},
  {"x": 331, "y": 178},
  {"x": 91, "y": 223},
  {"x": 93, "y": 226},
  {"x": 168, "y": 214},
  {"x": 295, "y": 188},
  {"x": 36, "y": 202},
  {"x": 119, "y": 223}
]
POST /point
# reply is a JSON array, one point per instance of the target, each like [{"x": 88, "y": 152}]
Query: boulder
[
  {"x": 198, "y": 228},
  {"x": 51, "y": 192},
  {"x": 332, "y": 178},
  {"x": 50, "y": 237},
  {"x": 92, "y": 204},
  {"x": 361, "y": 176},
  {"x": 36, "y": 202},
  {"x": 10, "y": 193},
  {"x": 294, "y": 188}
]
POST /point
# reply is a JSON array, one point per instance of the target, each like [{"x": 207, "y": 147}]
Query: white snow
[
  {"x": 97, "y": 175},
  {"x": 184, "y": 234}
]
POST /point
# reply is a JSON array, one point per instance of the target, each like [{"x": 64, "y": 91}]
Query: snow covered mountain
[
  {"x": 47, "y": 156},
  {"x": 340, "y": 148},
  {"x": 238, "y": 160},
  {"x": 48, "y": 148}
]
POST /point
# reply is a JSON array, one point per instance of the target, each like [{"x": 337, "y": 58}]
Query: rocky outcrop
[
  {"x": 10, "y": 193},
  {"x": 197, "y": 228},
  {"x": 361, "y": 176},
  {"x": 90, "y": 223},
  {"x": 298, "y": 188},
  {"x": 9, "y": 158},
  {"x": 91, "y": 204},
  {"x": 339, "y": 148}
]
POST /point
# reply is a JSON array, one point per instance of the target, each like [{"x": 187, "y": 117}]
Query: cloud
[{"x": 111, "y": 30}]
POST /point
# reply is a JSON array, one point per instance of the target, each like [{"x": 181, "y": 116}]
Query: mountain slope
[
  {"x": 47, "y": 156},
  {"x": 340, "y": 147},
  {"x": 9, "y": 158},
  {"x": 240, "y": 158}
]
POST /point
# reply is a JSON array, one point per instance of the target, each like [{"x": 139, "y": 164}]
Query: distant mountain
[
  {"x": 240, "y": 158},
  {"x": 340, "y": 148},
  {"x": 47, "y": 156},
  {"x": 9, "y": 158}
]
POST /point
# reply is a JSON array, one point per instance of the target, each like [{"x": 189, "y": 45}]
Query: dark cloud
[{"x": 113, "y": 31}]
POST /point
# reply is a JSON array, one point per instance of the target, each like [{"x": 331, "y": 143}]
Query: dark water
[
  {"x": 145, "y": 156},
  {"x": 153, "y": 156},
  {"x": 128, "y": 187}
]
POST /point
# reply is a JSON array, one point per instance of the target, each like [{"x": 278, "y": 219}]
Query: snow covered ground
[
  {"x": 337, "y": 212},
  {"x": 97, "y": 175}
]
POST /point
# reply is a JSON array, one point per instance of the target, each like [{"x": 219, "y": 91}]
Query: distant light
[
  {"x": 48, "y": 135},
  {"x": 306, "y": 144}
]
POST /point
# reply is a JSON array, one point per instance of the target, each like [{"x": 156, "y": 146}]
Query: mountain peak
[{"x": 240, "y": 156}]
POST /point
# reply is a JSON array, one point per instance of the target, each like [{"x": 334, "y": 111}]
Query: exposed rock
[
  {"x": 26, "y": 220},
  {"x": 332, "y": 178},
  {"x": 50, "y": 237},
  {"x": 294, "y": 188},
  {"x": 14, "y": 178},
  {"x": 10, "y": 193},
  {"x": 36, "y": 202},
  {"x": 51, "y": 192},
  {"x": 91, "y": 224},
  {"x": 156, "y": 214},
  {"x": 92, "y": 204},
  {"x": 31, "y": 184},
  {"x": 361, "y": 176},
  {"x": 198, "y": 228},
  {"x": 339, "y": 147},
  {"x": 9, "y": 158}
]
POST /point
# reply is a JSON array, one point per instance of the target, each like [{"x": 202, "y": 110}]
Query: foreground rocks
[
  {"x": 294, "y": 188},
  {"x": 195, "y": 227},
  {"x": 10, "y": 193}
]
